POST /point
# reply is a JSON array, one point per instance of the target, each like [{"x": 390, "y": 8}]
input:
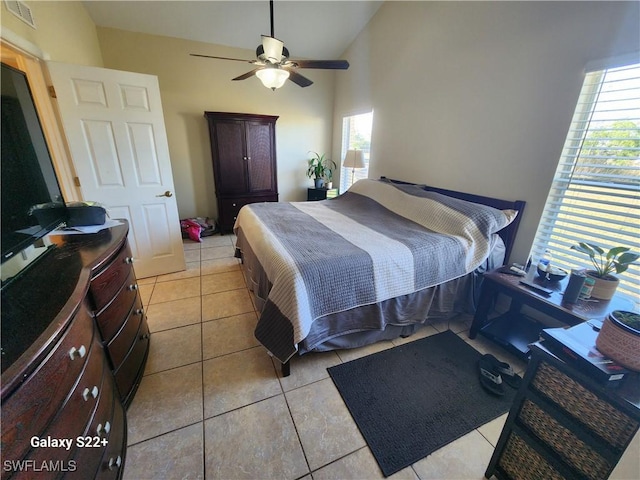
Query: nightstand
[
  {"x": 314, "y": 194},
  {"x": 563, "y": 425},
  {"x": 514, "y": 330}
]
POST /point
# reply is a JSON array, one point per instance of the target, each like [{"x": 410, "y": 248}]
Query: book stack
[{"x": 577, "y": 346}]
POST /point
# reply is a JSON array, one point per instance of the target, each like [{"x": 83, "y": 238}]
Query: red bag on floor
[{"x": 191, "y": 229}]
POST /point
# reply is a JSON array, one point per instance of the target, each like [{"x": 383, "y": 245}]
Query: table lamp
[{"x": 353, "y": 159}]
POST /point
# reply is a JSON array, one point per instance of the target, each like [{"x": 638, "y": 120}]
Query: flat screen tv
[{"x": 28, "y": 179}]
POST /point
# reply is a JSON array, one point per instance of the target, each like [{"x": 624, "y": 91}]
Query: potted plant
[
  {"x": 319, "y": 166},
  {"x": 328, "y": 178},
  {"x": 616, "y": 259},
  {"x": 619, "y": 338}
]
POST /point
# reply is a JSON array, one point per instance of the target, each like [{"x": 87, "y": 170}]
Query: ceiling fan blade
[
  {"x": 326, "y": 64},
  {"x": 248, "y": 74},
  {"x": 272, "y": 48},
  {"x": 222, "y": 58},
  {"x": 298, "y": 79}
]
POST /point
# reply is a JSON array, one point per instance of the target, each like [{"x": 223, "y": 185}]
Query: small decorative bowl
[{"x": 555, "y": 275}]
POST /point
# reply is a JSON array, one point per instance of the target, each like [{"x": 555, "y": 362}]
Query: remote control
[
  {"x": 535, "y": 286},
  {"x": 518, "y": 271},
  {"x": 512, "y": 270}
]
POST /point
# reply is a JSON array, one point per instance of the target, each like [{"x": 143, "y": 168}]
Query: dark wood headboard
[{"x": 508, "y": 233}]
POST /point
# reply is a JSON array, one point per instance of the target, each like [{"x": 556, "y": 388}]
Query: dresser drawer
[
  {"x": 127, "y": 336},
  {"x": 113, "y": 458},
  {"x": 230, "y": 207},
  {"x": 564, "y": 442},
  {"x": 521, "y": 461},
  {"x": 103, "y": 426},
  {"x": 108, "y": 281},
  {"x": 81, "y": 404},
  {"x": 110, "y": 318},
  {"x": 595, "y": 413},
  {"x": 132, "y": 367},
  {"x": 35, "y": 404}
]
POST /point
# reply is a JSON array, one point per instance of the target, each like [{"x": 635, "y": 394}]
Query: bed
[{"x": 374, "y": 263}]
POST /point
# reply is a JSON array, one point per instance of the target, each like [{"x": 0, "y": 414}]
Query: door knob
[{"x": 166, "y": 194}]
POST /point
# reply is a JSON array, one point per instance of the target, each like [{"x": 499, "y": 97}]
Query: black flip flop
[
  {"x": 490, "y": 378},
  {"x": 510, "y": 377}
]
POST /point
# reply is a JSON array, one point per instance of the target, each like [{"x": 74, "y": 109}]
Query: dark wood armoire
[{"x": 243, "y": 149}]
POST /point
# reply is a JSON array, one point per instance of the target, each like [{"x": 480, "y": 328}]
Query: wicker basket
[
  {"x": 564, "y": 442},
  {"x": 520, "y": 461},
  {"x": 584, "y": 406},
  {"x": 619, "y": 342}
]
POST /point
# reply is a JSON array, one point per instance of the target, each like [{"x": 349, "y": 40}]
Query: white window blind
[
  {"x": 594, "y": 197},
  {"x": 356, "y": 134}
]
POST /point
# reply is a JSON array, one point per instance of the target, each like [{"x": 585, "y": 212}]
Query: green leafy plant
[
  {"x": 630, "y": 319},
  {"x": 319, "y": 166},
  {"x": 617, "y": 258}
]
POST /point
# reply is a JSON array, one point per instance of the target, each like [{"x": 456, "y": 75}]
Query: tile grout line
[
  {"x": 204, "y": 430},
  {"x": 295, "y": 427}
]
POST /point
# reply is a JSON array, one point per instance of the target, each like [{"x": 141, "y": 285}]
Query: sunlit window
[
  {"x": 595, "y": 195},
  {"x": 356, "y": 135}
]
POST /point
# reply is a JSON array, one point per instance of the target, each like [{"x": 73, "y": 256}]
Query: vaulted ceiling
[{"x": 309, "y": 29}]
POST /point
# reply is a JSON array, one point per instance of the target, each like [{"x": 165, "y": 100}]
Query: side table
[
  {"x": 515, "y": 331},
  {"x": 314, "y": 194},
  {"x": 563, "y": 425}
]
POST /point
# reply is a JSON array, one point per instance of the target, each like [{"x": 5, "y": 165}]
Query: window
[
  {"x": 356, "y": 135},
  {"x": 594, "y": 196}
]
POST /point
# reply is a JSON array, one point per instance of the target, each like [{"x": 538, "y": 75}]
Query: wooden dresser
[
  {"x": 74, "y": 346},
  {"x": 243, "y": 149},
  {"x": 113, "y": 292},
  {"x": 563, "y": 425}
]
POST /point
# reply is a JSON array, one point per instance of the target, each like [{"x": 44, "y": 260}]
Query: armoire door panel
[
  {"x": 259, "y": 152},
  {"x": 231, "y": 155}
]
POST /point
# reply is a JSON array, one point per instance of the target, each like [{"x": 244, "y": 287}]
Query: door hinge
[
  {"x": 76, "y": 181},
  {"x": 52, "y": 91}
]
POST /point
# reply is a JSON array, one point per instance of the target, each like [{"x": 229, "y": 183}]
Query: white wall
[
  {"x": 189, "y": 86},
  {"x": 64, "y": 33},
  {"x": 478, "y": 96}
]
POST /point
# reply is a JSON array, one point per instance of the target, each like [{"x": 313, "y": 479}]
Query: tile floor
[{"x": 213, "y": 405}]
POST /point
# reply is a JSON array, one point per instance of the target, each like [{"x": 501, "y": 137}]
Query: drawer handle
[
  {"x": 103, "y": 429},
  {"x": 139, "y": 311},
  {"x": 144, "y": 336},
  {"x": 128, "y": 260},
  {"x": 77, "y": 352},
  {"x": 115, "y": 463},
  {"x": 132, "y": 287},
  {"x": 86, "y": 393},
  {"x": 233, "y": 204}
]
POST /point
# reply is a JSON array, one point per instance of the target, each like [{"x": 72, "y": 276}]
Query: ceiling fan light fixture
[{"x": 272, "y": 77}]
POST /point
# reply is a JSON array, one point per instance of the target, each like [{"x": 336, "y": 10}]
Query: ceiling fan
[{"x": 273, "y": 66}]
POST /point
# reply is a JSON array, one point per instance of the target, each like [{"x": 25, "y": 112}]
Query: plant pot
[
  {"x": 619, "y": 341},
  {"x": 329, "y": 185},
  {"x": 604, "y": 288},
  {"x": 318, "y": 182}
]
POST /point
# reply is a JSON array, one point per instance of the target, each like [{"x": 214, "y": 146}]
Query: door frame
[{"x": 34, "y": 68}]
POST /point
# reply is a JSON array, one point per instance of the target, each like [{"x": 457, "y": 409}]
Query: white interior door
[{"x": 114, "y": 125}]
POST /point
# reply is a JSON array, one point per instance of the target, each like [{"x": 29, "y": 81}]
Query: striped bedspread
[{"x": 375, "y": 242}]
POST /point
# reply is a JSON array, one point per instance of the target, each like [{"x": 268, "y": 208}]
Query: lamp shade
[
  {"x": 354, "y": 159},
  {"x": 272, "y": 77}
]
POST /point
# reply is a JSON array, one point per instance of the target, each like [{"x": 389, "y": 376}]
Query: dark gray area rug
[{"x": 411, "y": 400}]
